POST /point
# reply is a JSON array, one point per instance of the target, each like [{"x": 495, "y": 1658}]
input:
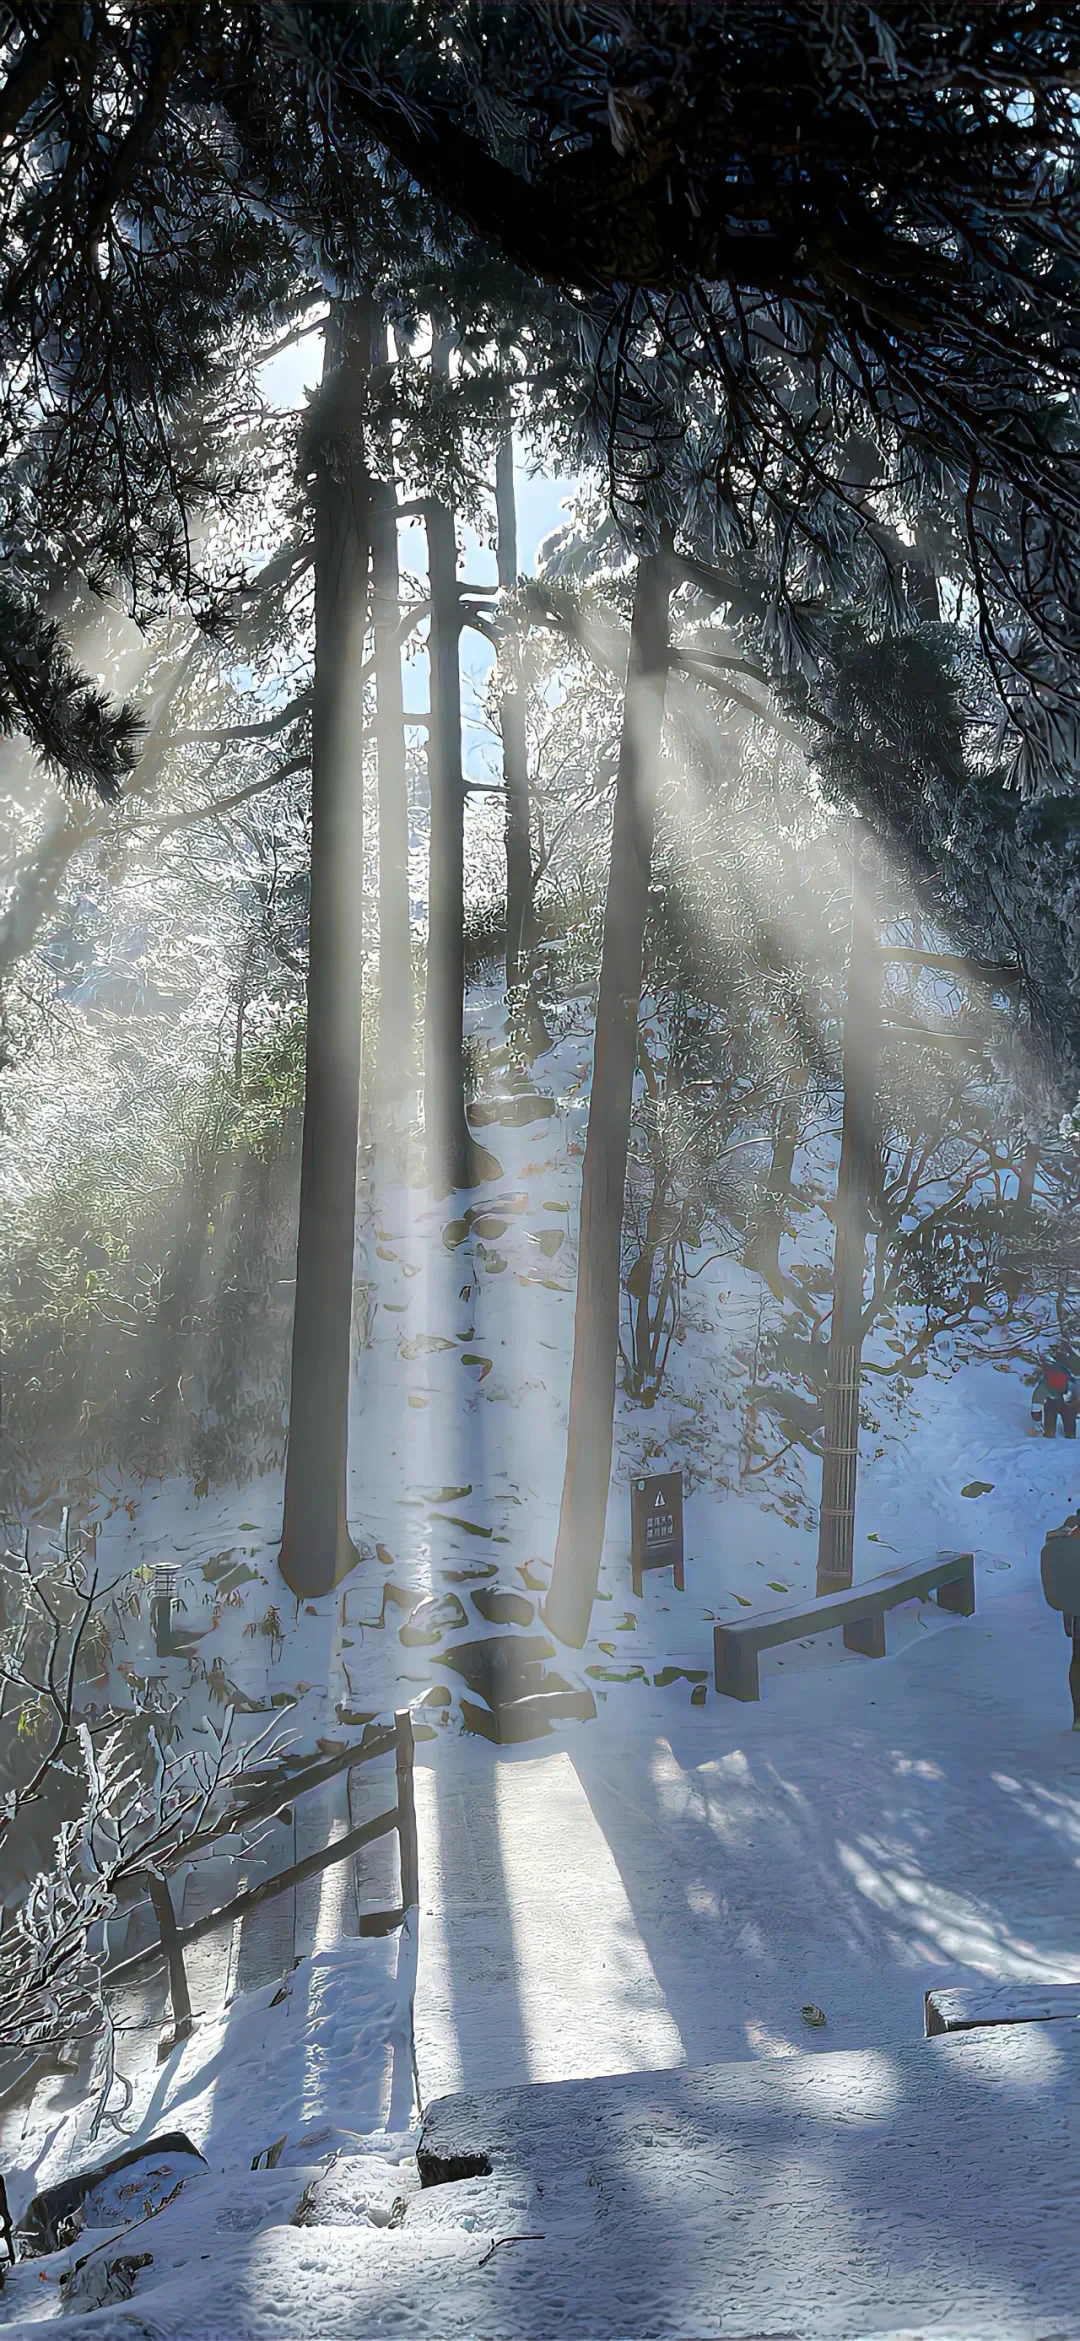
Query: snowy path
[
  {"x": 531, "y": 1967},
  {"x": 672, "y": 1885}
]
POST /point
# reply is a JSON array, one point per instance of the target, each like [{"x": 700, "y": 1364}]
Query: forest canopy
[{"x": 812, "y": 257}]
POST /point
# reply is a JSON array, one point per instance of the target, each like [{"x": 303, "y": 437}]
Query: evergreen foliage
[
  {"x": 823, "y": 262},
  {"x": 82, "y": 737}
]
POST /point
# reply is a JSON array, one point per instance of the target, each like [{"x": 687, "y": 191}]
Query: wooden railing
[{"x": 173, "y": 1939}]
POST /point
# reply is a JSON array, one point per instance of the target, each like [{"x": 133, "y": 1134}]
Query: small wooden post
[
  {"x": 165, "y": 1915},
  {"x": 407, "y": 1843},
  {"x": 866, "y": 1635}
]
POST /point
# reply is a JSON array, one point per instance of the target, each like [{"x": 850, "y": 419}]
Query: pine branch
[
  {"x": 86, "y": 741},
  {"x": 35, "y": 64}
]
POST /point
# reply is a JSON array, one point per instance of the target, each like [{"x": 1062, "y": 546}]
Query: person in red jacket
[{"x": 1056, "y": 1395}]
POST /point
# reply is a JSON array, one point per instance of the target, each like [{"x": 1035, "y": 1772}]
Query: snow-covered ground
[
  {"x": 664, "y": 1887},
  {"x": 926, "y": 2191},
  {"x": 675, "y": 1886}
]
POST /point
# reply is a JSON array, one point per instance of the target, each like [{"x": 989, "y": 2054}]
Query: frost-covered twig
[
  {"x": 45, "y": 1678},
  {"x": 142, "y": 1792}
]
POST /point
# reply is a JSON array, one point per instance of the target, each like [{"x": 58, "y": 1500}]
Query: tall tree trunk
[
  {"x": 454, "y": 1158},
  {"x": 763, "y": 1252},
  {"x": 156, "y": 1405},
  {"x": 513, "y": 707},
  {"x": 449, "y": 1140},
  {"x": 315, "y": 1549},
  {"x": 615, "y": 1054},
  {"x": 243, "y": 1313},
  {"x": 395, "y": 1044},
  {"x": 840, "y": 1461},
  {"x": 1025, "y": 1177},
  {"x": 1027, "y": 1172}
]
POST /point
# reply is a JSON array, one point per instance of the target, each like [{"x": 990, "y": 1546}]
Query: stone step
[
  {"x": 513, "y": 1721},
  {"x": 864, "y": 2191},
  {"x": 961, "y": 2007},
  {"x": 517, "y": 1696},
  {"x": 923, "y": 2190}
]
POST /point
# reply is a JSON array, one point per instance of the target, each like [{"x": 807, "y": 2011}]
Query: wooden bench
[
  {"x": 964, "y": 2007},
  {"x": 861, "y": 1613}
]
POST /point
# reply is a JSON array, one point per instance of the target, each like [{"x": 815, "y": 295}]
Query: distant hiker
[
  {"x": 1056, "y": 1395},
  {"x": 1061, "y": 1585}
]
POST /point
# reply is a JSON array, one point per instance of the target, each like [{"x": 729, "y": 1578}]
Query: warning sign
[{"x": 656, "y": 1526}]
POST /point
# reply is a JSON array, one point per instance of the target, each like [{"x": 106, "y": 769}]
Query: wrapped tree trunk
[
  {"x": 840, "y": 1459},
  {"x": 454, "y": 1158},
  {"x": 591, "y": 1418},
  {"x": 316, "y": 1550},
  {"x": 513, "y": 707}
]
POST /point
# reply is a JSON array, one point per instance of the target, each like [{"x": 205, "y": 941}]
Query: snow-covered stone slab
[
  {"x": 961, "y": 2007},
  {"x": 851, "y": 2193},
  {"x": 103, "y": 2192},
  {"x": 202, "y": 2217},
  {"x": 929, "y": 2190}
]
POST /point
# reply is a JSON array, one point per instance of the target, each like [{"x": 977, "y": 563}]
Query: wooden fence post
[
  {"x": 410, "y": 1860},
  {"x": 401, "y": 1816},
  {"x": 165, "y": 1915}
]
